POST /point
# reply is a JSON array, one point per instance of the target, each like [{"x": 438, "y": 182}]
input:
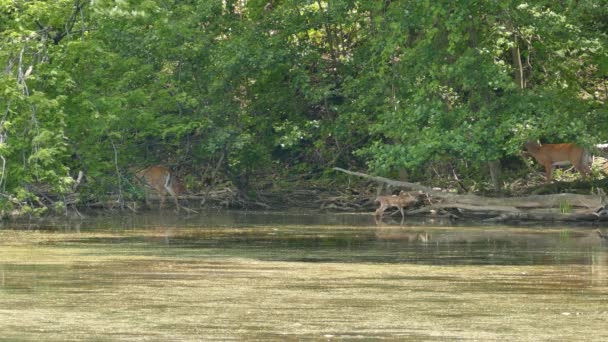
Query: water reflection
[
  {"x": 238, "y": 275},
  {"x": 339, "y": 238}
]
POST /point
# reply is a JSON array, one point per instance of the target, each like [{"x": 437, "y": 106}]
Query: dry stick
[
  {"x": 83, "y": 27},
  {"x": 120, "y": 199},
  {"x": 388, "y": 181},
  {"x": 2, "y": 132},
  {"x": 21, "y": 76},
  {"x": 2, "y": 140},
  {"x": 213, "y": 173},
  {"x": 3, "y": 172}
]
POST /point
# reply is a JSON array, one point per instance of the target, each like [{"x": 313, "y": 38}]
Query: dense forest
[{"x": 245, "y": 94}]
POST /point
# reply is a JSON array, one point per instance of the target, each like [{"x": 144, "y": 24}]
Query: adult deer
[
  {"x": 550, "y": 155},
  {"x": 404, "y": 200},
  {"x": 163, "y": 181}
]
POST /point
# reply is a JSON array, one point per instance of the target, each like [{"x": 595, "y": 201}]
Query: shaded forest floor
[
  {"x": 572, "y": 200},
  {"x": 568, "y": 199}
]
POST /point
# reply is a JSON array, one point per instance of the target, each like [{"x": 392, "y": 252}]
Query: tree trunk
[
  {"x": 518, "y": 68},
  {"x": 495, "y": 174}
]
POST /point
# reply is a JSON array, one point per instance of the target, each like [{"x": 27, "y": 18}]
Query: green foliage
[
  {"x": 101, "y": 86},
  {"x": 449, "y": 86}
]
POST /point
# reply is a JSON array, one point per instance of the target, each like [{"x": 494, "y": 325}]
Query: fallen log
[
  {"x": 587, "y": 216},
  {"x": 506, "y": 208}
]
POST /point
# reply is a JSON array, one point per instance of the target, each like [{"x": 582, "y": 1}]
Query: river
[{"x": 292, "y": 276}]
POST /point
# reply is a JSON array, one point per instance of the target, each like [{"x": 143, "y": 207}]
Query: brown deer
[
  {"x": 404, "y": 200},
  {"x": 163, "y": 181},
  {"x": 550, "y": 155}
]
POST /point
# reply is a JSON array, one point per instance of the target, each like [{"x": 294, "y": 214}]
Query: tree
[
  {"x": 472, "y": 81},
  {"x": 32, "y": 129},
  {"x": 241, "y": 89}
]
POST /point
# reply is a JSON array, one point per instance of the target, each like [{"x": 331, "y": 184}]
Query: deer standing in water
[
  {"x": 163, "y": 181},
  {"x": 404, "y": 200},
  {"x": 550, "y": 155}
]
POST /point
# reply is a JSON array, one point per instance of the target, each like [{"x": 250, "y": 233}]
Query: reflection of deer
[
  {"x": 163, "y": 181},
  {"x": 602, "y": 235},
  {"x": 550, "y": 155},
  {"x": 404, "y": 200},
  {"x": 403, "y": 235}
]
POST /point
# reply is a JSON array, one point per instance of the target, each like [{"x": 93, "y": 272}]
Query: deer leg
[
  {"x": 582, "y": 169},
  {"x": 548, "y": 172},
  {"x": 377, "y": 220},
  {"x": 174, "y": 195},
  {"x": 168, "y": 188},
  {"x": 380, "y": 211},
  {"x": 176, "y": 203},
  {"x": 402, "y": 214},
  {"x": 162, "y": 200},
  {"x": 147, "y": 198}
]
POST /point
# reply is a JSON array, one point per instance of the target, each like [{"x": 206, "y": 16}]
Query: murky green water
[{"x": 256, "y": 276}]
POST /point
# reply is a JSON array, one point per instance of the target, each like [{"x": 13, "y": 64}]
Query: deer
[
  {"x": 163, "y": 181},
  {"x": 550, "y": 155},
  {"x": 403, "y": 200}
]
